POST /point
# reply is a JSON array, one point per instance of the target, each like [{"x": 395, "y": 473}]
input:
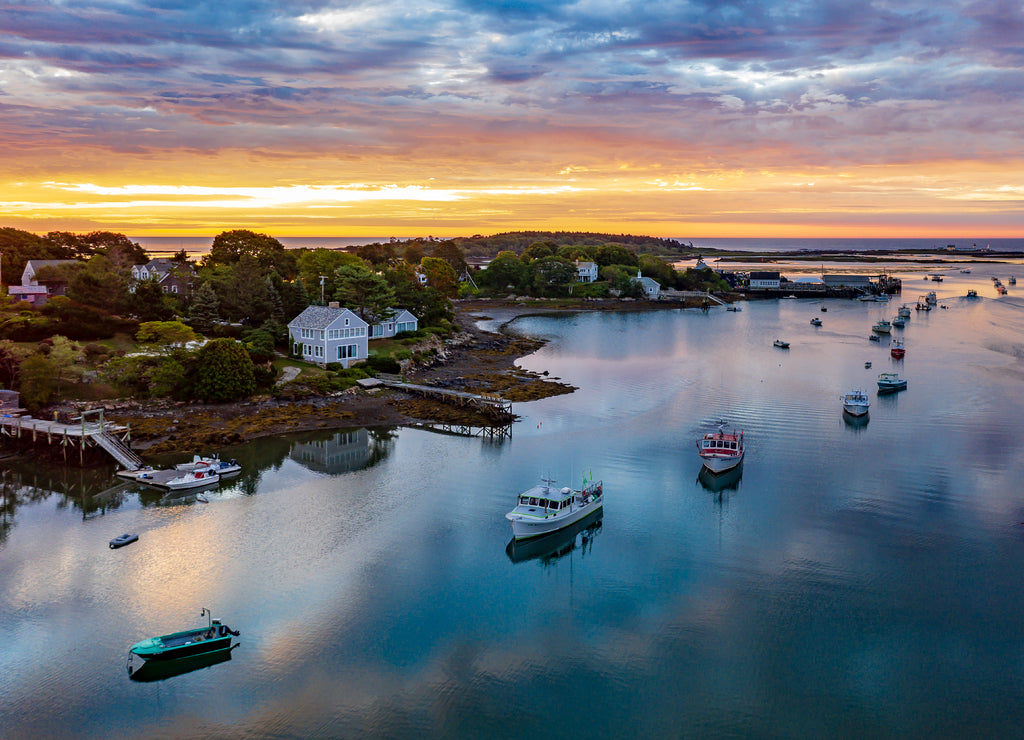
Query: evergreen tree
[
  {"x": 205, "y": 311},
  {"x": 222, "y": 371}
]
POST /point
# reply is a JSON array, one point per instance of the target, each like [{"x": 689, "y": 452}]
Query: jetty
[
  {"x": 85, "y": 432},
  {"x": 493, "y": 406}
]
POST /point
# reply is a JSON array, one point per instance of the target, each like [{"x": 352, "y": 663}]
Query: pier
[
  {"x": 90, "y": 432},
  {"x": 493, "y": 406}
]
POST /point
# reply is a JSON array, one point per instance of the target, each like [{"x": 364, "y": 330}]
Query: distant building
[
  {"x": 173, "y": 277},
  {"x": 400, "y": 320},
  {"x": 323, "y": 334},
  {"x": 35, "y": 291},
  {"x": 586, "y": 272},
  {"x": 837, "y": 280},
  {"x": 764, "y": 280},
  {"x": 650, "y": 286}
]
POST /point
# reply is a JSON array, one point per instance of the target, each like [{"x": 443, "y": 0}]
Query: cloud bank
[{"x": 671, "y": 117}]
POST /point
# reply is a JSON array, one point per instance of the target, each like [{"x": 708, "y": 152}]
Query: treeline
[{"x": 483, "y": 248}]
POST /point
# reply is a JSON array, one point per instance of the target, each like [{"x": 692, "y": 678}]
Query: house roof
[{"x": 321, "y": 317}]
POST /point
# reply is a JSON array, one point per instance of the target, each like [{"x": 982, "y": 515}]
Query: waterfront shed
[
  {"x": 323, "y": 334},
  {"x": 650, "y": 286},
  {"x": 838, "y": 280},
  {"x": 765, "y": 280}
]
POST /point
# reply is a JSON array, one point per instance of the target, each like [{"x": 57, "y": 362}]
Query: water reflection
[
  {"x": 554, "y": 547},
  {"x": 716, "y": 483},
  {"x": 343, "y": 451},
  {"x": 856, "y": 423},
  {"x": 160, "y": 670}
]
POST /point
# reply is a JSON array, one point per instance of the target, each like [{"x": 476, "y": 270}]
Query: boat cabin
[
  {"x": 547, "y": 498},
  {"x": 717, "y": 445}
]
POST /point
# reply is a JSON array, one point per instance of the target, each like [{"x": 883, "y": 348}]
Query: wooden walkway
[
  {"x": 83, "y": 434},
  {"x": 491, "y": 405}
]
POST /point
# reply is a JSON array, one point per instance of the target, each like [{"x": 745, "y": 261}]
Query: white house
[
  {"x": 30, "y": 290},
  {"x": 765, "y": 279},
  {"x": 323, "y": 334},
  {"x": 586, "y": 272},
  {"x": 650, "y": 286},
  {"x": 399, "y": 320}
]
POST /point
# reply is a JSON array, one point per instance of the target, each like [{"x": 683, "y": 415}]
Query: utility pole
[{"x": 322, "y": 291}]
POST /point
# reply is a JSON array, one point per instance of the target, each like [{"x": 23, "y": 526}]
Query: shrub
[
  {"x": 383, "y": 364},
  {"x": 95, "y": 350}
]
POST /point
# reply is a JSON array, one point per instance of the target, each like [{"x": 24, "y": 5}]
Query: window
[{"x": 346, "y": 351}]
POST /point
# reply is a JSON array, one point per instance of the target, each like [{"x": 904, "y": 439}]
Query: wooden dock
[
  {"x": 83, "y": 435},
  {"x": 496, "y": 407}
]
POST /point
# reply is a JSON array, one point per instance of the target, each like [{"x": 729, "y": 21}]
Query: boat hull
[
  {"x": 184, "y": 644},
  {"x": 524, "y": 528},
  {"x": 721, "y": 464},
  {"x": 854, "y": 409}
]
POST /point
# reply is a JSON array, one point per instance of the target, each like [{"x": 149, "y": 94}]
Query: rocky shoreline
[{"x": 475, "y": 360}]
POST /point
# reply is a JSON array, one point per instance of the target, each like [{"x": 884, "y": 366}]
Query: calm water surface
[{"x": 854, "y": 580}]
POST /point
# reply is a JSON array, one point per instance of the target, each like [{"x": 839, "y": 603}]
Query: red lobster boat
[
  {"x": 897, "y": 350},
  {"x": 721, "y": 450}
]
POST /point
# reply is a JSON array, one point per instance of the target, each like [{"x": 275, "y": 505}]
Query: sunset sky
[{"x": 458, "y": 117}]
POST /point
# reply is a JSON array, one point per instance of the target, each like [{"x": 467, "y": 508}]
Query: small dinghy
[{"x": 123, "y": 539}]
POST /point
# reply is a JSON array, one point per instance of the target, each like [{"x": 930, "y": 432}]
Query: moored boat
[
  {"x": 1000, "y": 289},
  {"x": 874, "y": 338},
  {"x": 931, "y": 299},
  {"x": 972, "y": 293},
  {"x": 214, "y": 636},
  {"x": 223, "y": 468},
  {"x": 720, "y": 451},
  {"x": 544, "y": 508},
  {"x": 855, "y": 403},
  {"x": 883, "y": 326},
  {"x": 193, "y": 479},
  {"x": 1012, "y": 280},
  {"x": 904, "y": 311},
  {"x": 899, "y": 322},
  {"x": 815, "y": 321},
  {"x": 123, "y": 539},
  {"x": 780, "y": 344},
  {"x": 896, "y": 349},
  {"x": 890, "y": 383}
]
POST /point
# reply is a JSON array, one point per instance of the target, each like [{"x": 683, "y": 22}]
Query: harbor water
[{"x": 852, "y": 578}]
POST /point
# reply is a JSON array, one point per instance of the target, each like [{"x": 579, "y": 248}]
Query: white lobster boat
[
  {"x": 721, "y": 451},
  {"x": 545, "y": 508},
  {"x": 855, "y": 403},
  {"x": 192, "y": 479}
]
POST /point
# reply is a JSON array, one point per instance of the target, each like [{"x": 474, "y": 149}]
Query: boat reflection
[
  {"x": 716, "y": 483},
  {"x": 159, "y": 670},
  {"x": 856, "y": 422},
  {"x": 552, "y": 547}
]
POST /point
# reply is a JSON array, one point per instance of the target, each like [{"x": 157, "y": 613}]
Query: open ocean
[{"x": 201, "y": 245}]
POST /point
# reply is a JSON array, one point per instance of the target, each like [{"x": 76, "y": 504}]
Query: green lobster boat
[{"x": 215, "y": 636}]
